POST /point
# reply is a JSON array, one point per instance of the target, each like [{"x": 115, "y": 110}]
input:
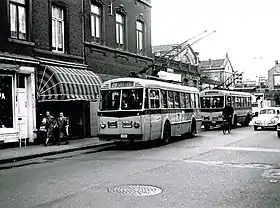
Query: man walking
[
  {"x": 50, "y": 125},
  {"x": 62, "y": 123}
]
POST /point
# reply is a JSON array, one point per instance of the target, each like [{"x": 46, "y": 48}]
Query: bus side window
[
  {"x": 170, "y": 99},
  {"x": 177, "y": 99},
  {"x": 146, "y": 103},
  {"x": 197, "y": 101},
  {"x": 193, "y": 104},
  {"x": 183, "y": 100},
  {"x": 164, "y": 99},
  {"x": 188, "y": 100},
  {"x": 154, "y": 98}
]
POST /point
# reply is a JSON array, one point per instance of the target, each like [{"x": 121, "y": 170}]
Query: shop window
[
  {"x": 6, "y": 102},
  {"x": 20, "y": 81}
]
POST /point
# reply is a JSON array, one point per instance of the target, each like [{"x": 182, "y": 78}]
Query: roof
[
  {"x": 161, "y": 48},
  {"x": 231, "y": 92},
  {"x": 217, "y": 63},
  {"x": 151, "y": 83}
]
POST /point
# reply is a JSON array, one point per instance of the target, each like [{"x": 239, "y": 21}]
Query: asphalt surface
[{"x": 240, "y": 169}]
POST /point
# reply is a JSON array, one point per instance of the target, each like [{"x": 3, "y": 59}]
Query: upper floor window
[
  {"x": 120, "y": 29},
  {"x": 96, "y": 22},
  {"x": 57, "y": 29},
  {"x": 18, "y": 19},
  {"x": 139, "y": 36}
]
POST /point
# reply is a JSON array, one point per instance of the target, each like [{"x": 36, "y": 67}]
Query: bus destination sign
[
  {"x": 211, "y": 93},
  {"x": 122, "y": 84}
]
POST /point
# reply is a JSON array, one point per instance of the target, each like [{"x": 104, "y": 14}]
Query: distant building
[
  {"x": 219, "y": 70},
  {"x": 183, "y": 67},
  {"x": 274, "y": 77},
  {"x": 238, "y": 79}
]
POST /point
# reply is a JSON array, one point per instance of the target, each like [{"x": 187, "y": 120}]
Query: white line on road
[
  {"x": 248, "y": 149},
  {"x": 234, "y": 164}
]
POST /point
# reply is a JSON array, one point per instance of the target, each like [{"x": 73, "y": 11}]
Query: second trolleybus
[
  {"x": 142, "y": 109},
  {"x": 213, "y": 102}
]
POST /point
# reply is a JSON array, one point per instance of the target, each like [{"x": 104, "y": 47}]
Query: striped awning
[{"x": 56, "y": 83}]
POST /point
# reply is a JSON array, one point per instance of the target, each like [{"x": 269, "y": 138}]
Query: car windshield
[
  {"x": 129, "y": 99},
  {"x": 212, "y": 102},
  {"x": 268, "y": 111}
]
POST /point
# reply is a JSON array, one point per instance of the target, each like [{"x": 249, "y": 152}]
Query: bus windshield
[
  {"x": 212, "y": 102},
  {"x": 126, "y": 99}
]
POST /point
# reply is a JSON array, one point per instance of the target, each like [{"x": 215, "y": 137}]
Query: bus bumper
[
  {"x": 121, "y": 138},
  {"x": 211, "y": 123}
]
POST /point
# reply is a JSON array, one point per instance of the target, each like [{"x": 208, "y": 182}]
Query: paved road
[{"x": 211, "y": 170}]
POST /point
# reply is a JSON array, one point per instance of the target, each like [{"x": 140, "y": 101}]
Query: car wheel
[
  {"x": 278, "y": 134},
  {"x": 255, "y": 128}
]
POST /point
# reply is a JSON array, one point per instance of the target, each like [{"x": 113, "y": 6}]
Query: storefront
[
  {"x": 17, "y": 102},
  {"x": 74, "y": 92}
]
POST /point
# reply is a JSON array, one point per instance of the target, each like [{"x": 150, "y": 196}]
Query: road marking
[
  {"x": 262, "y": 166},
  {"x": 249, "y": 149}
]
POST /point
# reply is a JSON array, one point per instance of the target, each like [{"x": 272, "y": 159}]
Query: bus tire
[
  {"x": 193, "y": 128},
  {"x": 166, "y": 133}
]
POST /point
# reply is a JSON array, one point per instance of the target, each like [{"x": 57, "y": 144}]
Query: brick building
[{"x": 61, "y": 48}]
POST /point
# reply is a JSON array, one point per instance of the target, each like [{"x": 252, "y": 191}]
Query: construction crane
[{"x": 181, "y": 46}]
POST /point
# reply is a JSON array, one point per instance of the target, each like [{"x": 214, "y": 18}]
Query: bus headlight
[
  {"x": 136, "y": 124},
  {"x": 102, "y": 125}
]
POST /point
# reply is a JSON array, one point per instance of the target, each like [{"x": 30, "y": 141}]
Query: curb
[{"x": 27, "y": 157}]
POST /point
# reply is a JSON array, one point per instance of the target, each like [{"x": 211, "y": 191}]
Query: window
[
  {"x": 192, "y": 101},
  {"x": 110, "y": 100},
  {"x": 132, "y": 99},
  {"x": 57, "y": 29},
  {"x": 188, "y": 100},
  {"x": 120, "y": 30},
  {"x": 18, "y": 19},
  {"x": 197, "y": 100},
  {"x": 170, "y": 99},
  {"x": 96, "y": 22},
  {"x": 139, "y": 36},
  {"x": 177, "y": 99},
  {"x": 6, "y": 102},
  {"x": 154, "y": 98},
  {"x": 20, "y": 81},
  {"x": 183, "y": 100},
  {"x": 164, "y": 99}
]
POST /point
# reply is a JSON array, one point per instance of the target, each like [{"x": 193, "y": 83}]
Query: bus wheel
[
  {"x": 193, "y": 129},
  {"x": 247, "y": 121},
  {"x": 166, "y": 134}
]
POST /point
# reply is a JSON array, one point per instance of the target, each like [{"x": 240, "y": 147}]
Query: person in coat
[
  {"x": 62, "y": 124},
  {"x": 50, "y": 126}
]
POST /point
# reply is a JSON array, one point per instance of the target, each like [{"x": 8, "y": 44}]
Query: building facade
[
  {"x": 219, "y": 70},
  {"x": 273, "y": 80},
  {"x": 54, "y": 53}
]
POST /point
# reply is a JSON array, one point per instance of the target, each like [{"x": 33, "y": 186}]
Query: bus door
[{"x": 155, "y": 114}]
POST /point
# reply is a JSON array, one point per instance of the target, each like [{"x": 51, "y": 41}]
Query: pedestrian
[
  {"x": 50, "y": 126},
  {"x": 62, "y": 124}
]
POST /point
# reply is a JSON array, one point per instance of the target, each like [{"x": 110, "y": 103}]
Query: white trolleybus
[
  {"x": 142, "y": 109},
  {"x": 213, "y": 102}
]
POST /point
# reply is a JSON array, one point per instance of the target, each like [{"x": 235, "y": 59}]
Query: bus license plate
[
  {"x": 124, "y": 136},
  {"x": 213, "y": 122}
]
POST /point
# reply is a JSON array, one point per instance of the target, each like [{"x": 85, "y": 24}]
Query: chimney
[
  {"x": 210, "y": 62},
  {"x": 276, "y": 62}
]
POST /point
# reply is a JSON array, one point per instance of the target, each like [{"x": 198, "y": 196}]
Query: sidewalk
[{"x": 33, "y": 151}]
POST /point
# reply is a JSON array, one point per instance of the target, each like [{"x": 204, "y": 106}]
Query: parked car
[{"x": 267, "y": 118}]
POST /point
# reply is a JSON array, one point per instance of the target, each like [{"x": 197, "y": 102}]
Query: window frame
[
  {"x": 158, "y": 99},
  {"x": 62, "y": 20},
  {"x": 118, "y": 27},
  {"x": 17, "y": 4},
  {"x": 97, "y": 17},
  {"x": 142, "y": 32}
]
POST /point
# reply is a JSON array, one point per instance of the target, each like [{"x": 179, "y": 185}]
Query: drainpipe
[{"x": 83, "y": 31}]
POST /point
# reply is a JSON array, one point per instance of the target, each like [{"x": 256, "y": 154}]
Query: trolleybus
[
  {"x": 213, "y": 102},
  {"x": 142, "y": 109}
]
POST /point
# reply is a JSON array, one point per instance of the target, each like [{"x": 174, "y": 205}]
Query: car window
[{"x": 268, "y": 111}]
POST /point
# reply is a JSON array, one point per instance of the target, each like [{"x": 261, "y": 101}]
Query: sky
[{"x": 249, "y": 30}]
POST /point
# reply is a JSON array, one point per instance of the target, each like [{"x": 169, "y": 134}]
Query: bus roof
[
  {"x": 223, "y": 92},
  {"x": 150, "y": 83}
]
